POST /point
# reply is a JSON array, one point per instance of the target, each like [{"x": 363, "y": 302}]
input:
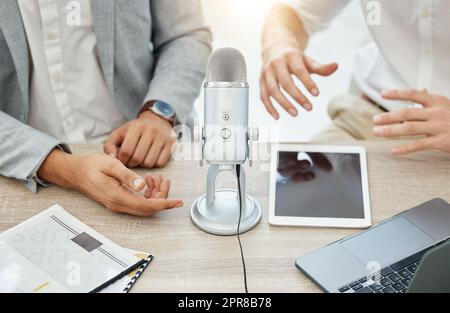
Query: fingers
[
  {"x": 421, "y": 97},
  {"x": 149, "y": 180},
  {"x": 164, "y": 189},
  {"x": 298, "y": 68},
  {"x": 165, "y": 156},
  {"x": 274, "y": 91},
  {"x": 114, "y": 141},
  {"x": 150, "y": 206},
  {"x": 404, "y": 129},
  {"x": 279, "y": 74},
  {"x": 127, "y": 177},
  {"x": 284, "y": 77},
  {"x": 315, "y": 67},
  {"x": 265, "y": 98},
  {"x": 129, "y": 144},
  {"x": 158, "y": 181},
  {"x": 153, "y": 154},
  {"x": 402, "y": 116},
  {"x": 415, "y": 146},
  {"x": 165, "y": 204},
  {"x": 157, "y": 188},
  {"x": 134, "y": 204},
  {"x": 142, "y": 149}
]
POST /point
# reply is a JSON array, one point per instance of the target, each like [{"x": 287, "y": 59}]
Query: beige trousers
[{"x": 351, "y": 120}]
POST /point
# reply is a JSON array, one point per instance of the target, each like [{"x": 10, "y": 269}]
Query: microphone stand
[{"x": 217, "y": 212}]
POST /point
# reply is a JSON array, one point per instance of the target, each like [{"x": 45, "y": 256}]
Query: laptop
[{"x": 409, "y": 252}]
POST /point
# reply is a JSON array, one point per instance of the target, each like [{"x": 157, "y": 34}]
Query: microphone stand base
[{"x": 221, "y": 217}]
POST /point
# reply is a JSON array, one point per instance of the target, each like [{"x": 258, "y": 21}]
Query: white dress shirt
[
  {"x": 69, "y": 97},
  {"x": 410, "y": 47}
]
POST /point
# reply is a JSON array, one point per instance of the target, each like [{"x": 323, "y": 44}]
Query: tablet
[{"x": 324, "y": 186}]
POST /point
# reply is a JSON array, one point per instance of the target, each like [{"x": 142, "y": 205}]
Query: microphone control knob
[
  {"x": 225, "y": 134},
  {"x": 226, "y": 117}
]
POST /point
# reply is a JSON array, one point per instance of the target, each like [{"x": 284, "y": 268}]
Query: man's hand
[
  {"x": 284, "y": 39},
  {"x": 146, "y": 141},
  {"x": 107, "y": 181},
  {"x": 432, "y": 121},
  {"x": 279, "y": 65}
]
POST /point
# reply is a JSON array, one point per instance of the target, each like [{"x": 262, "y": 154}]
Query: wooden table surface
[{"x": 189, "y": 260}]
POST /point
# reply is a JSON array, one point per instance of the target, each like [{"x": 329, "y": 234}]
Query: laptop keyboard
[{"x": 392, "y": 279}]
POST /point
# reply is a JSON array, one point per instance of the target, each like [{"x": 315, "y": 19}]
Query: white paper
[{"x": 42, "y": 255}]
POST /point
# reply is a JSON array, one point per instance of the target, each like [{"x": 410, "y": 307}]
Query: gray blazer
[{"x": 148, "y": 49}]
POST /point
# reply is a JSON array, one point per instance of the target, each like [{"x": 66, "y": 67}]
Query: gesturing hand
[
  {"x": 146, "y": 141},
  {"x": 107, "y": 181},
  {"x": 432, "y": 121},
  {"x": 279, "y": 64}
]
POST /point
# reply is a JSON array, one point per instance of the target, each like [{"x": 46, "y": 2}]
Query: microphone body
[
  {"x": 226, "y": 123},
  {"x": 226, "y": 95}
]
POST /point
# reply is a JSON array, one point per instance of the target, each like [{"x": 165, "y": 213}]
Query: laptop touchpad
[{"x": 388, "y": 243}]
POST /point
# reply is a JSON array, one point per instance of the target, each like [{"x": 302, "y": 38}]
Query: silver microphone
[
  {"x": 226, "y": 108},
  {"x": 226, "y": 145}
]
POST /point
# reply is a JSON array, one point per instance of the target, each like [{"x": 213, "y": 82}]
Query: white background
[{"x": 238, "y": 23}]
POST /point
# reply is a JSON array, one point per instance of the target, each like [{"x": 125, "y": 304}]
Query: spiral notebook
[
  {"x": 125, "y": 284},
  {"x": 55, "y": 252}
]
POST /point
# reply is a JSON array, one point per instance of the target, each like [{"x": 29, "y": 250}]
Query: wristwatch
[{"x": 163, "y": 110}]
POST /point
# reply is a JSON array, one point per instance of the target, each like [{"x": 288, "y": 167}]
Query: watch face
[{"x": 165, "y": 109}]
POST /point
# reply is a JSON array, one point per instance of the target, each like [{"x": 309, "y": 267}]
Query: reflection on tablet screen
[{"x": 325, "y": 185}]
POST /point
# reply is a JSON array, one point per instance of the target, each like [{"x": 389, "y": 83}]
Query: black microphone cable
[{"x": 238, "y": 175}]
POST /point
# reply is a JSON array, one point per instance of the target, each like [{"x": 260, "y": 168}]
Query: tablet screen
[{"x": 311, "y": 184}]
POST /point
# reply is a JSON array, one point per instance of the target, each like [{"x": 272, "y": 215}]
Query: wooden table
[{"x": 189, "y": 260}]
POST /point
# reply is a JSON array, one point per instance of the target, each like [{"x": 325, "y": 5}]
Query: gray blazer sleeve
[
  {"x": 23, "y": 150},
  {"x": 182, "y": 45}
]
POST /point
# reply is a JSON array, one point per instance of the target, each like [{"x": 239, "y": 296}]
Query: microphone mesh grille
[{"x": 226, "y": 65}]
